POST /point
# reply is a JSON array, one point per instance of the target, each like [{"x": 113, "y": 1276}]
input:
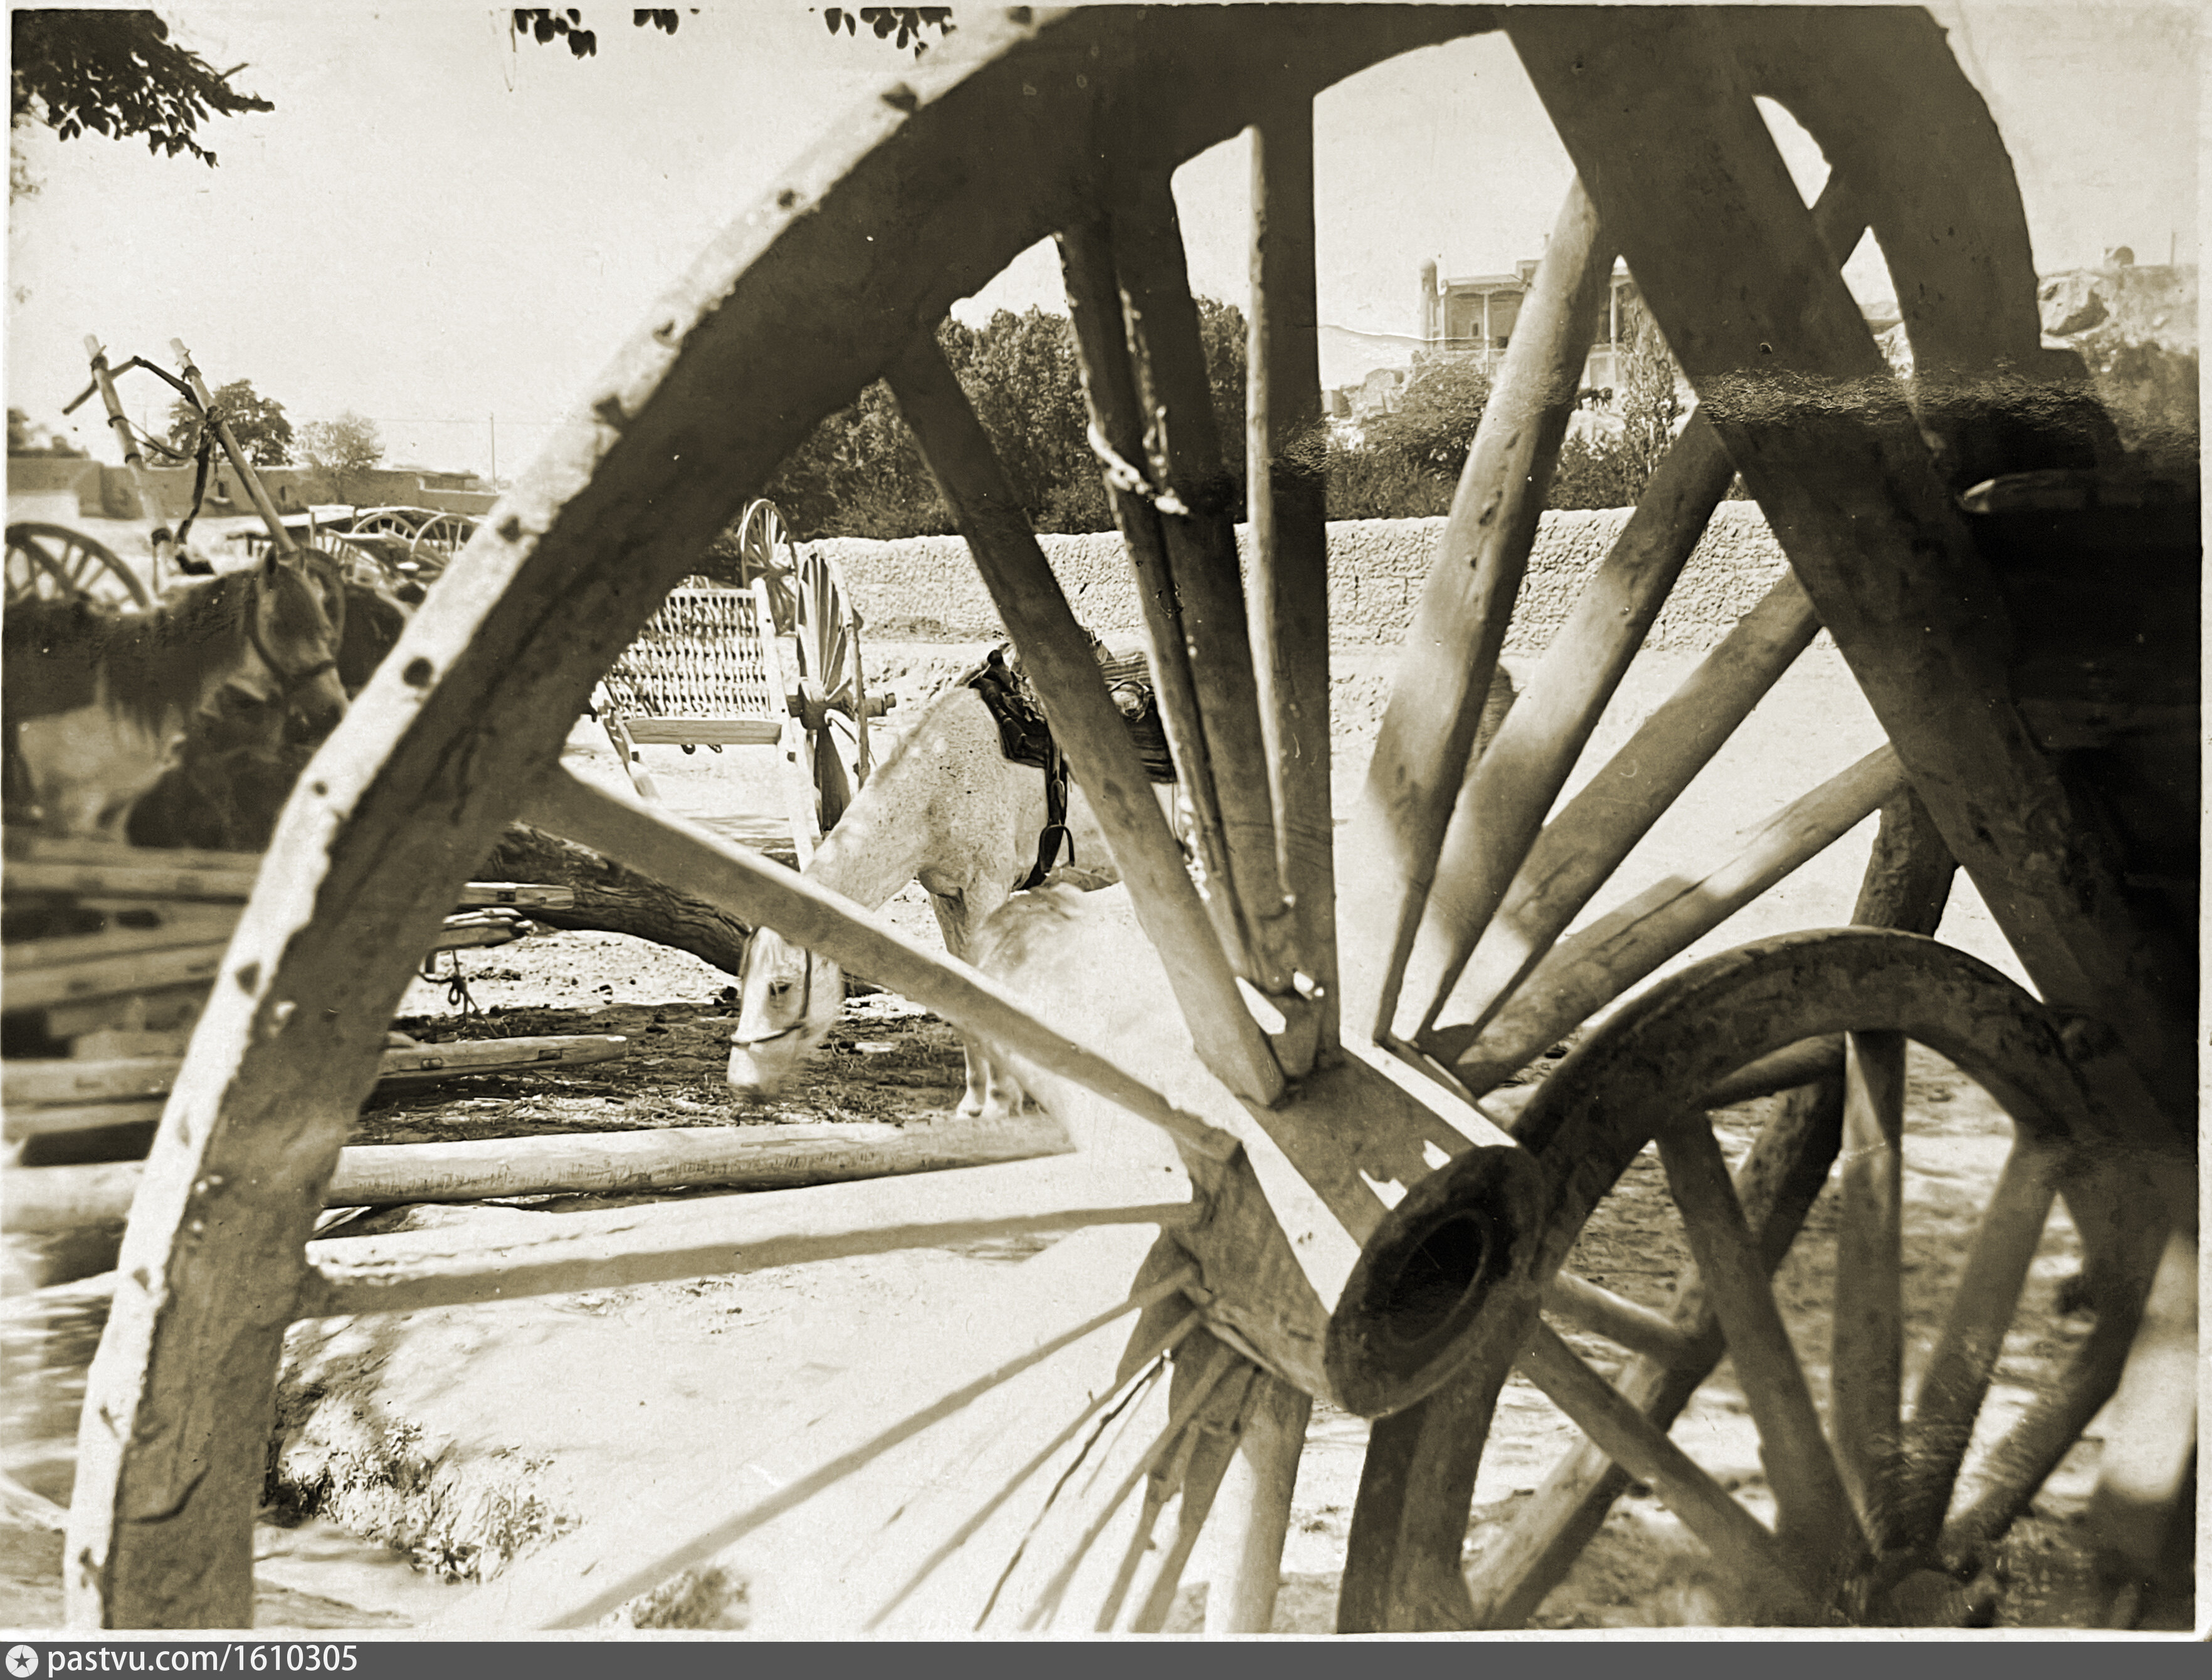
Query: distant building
[{"x": 1476, "y": 316}]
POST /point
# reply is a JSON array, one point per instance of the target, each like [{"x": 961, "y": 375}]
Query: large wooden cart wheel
[
  {"x": 1272, "y": 1225},
  {"x": 833, "y": 689},
  {"x": 53, "y": 563}
]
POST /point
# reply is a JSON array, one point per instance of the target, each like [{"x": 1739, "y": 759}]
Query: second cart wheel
[
  {"x": 1873, "y": 1509},
  {"x": 765, "y": 553},
  {"x": 440, "y": 539},
  {"x": 53, "y": 563},
  {"x": 833, "y": 687},
  {"x": 1042, "y": 1451}
]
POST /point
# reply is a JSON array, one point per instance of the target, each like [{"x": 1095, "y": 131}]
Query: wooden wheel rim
[
  {"x": 52, "y": 560},
  {"x": 574, "y": 560}
]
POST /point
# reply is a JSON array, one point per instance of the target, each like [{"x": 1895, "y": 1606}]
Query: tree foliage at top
[
  {"x": 907, "y": 23},
  {"x": 118, "y": 74},
  {"x": 546, "y": 24},
  {"x": 257, "y": 423}
]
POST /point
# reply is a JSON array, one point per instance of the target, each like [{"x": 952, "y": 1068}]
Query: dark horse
[
  {"x": 97, "y": 704},
  {"x": 229, "y": 781}
]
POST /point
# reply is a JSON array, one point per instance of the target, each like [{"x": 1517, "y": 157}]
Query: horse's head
[
  {"x": 295, "y": 624},
  {"x": 789, "y": 999}
]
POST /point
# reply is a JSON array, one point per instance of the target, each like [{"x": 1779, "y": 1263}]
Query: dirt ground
[{"x": 461, "y": 1440}]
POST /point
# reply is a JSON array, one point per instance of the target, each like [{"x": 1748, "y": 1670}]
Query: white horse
[{"x": 946, "y": 808}]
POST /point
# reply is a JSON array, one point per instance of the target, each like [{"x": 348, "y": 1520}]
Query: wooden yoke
[{"x": 1800, "y": 394}]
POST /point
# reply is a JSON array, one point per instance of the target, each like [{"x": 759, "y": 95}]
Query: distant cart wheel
[
  {"x": 765, "y": 551},
  {"x": 437, "y": 542},
  {"x": 833, "y": 685},
  {"x": 53, "y": 563},
  {"x": 388, "y": 522}
]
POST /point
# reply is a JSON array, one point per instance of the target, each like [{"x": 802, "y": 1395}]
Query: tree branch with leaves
[{"x": 117, "y": 74}]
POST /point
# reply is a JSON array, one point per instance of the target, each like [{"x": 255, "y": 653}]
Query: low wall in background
[{"x": 926, "y": 588}]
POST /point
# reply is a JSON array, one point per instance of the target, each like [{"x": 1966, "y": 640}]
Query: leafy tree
[
  {"x": 1434, "y": 424},
  {"x": 343, "y": 450},
  {"x": 257, "y": 421},
  {"x": 861, "y": 474},
  {"x": 545, "y": 25},
  {"x": 118, "y": 74},
  {"x": 26, "y": 439},
  {"x": 1651, "y": 401},
  {"x": 907, "y": 22}
]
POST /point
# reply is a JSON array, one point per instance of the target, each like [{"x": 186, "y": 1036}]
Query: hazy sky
[{"x": 436, "y": 226}]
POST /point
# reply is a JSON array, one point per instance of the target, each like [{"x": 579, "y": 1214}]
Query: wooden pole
[
  {"x": 256, "y": 492},
  {"x": 163, "y": 539},
  {"x": 61, "y": 1198},
  {"x": 1286, "y": 470},
  {"x": 728, "y": 1234}
]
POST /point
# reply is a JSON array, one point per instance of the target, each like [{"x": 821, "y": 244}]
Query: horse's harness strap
[
  {"x": 805, "y": 1003},
  {"x": 1054, "y": 834},
  {"x": 1026, "y": 738}
]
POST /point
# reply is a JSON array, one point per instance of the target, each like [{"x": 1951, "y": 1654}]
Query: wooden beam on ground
[
  {"x": 61, "y": 1198},
  {"x": 1058, "y": 656},
  {"x": 728, "y": 1234},
  {"x": 1450, "y": 651}
]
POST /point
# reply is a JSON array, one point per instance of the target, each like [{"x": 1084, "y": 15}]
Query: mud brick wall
[{"x": 926, "y": 588}]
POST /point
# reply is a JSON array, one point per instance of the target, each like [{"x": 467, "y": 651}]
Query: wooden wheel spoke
[
  {"x": 1580, "y": 849},
  {"x": 1956, "y": 1380},
  {"x": 1289, "y": 581},
  {"x": 1193, "y": 492},
  {"x": 1450, "y": 651},
  {"x": 764, "y": 894},
  {"x": 1868, "y": 1337},
  {"x": 1776, "y": 1185},
  {"x": 1511, "y": 790},
  {"x": 1057, "y": 653},
  {"x": 580, "y": 1578},
  {"x": 946, "y": 1490},
  {"x": 1184, "y": 1409},
  {"x": 1864, "y": 510},
  {"x": 1110, "y": 385},
  {"x": 1191, "y": 1477},
  {"x": 1621, "y": 1428},
  {"x": 1816, "y": 1515},
  {"x": 1584, "y": 973}
]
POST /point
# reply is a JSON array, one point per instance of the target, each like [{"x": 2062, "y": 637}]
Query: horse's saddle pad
[{"x": 1026, "y": 739}]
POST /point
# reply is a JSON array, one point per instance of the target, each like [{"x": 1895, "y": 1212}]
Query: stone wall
[{"x": 926, "y": 588}]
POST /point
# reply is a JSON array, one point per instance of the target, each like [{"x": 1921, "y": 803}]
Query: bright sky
[{"x": 436, "y": 227}]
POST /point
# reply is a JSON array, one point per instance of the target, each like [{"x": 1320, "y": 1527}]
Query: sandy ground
[{"x": 461, "y": 1439}]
